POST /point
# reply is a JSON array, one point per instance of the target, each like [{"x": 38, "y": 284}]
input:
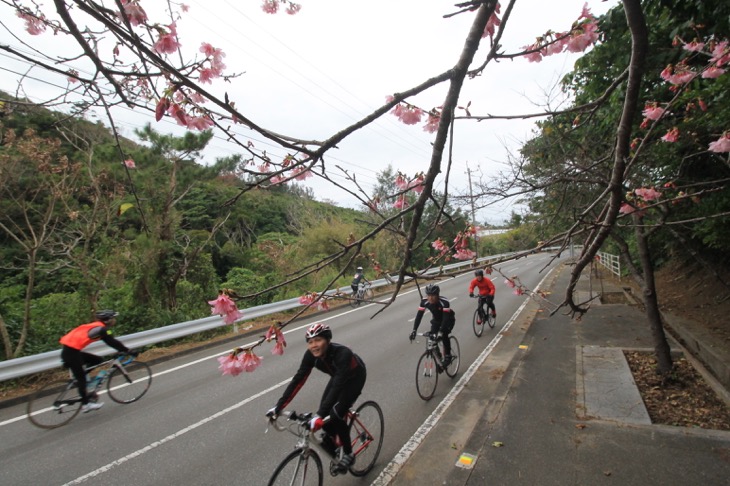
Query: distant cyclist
[
  {"x": 347, "y": 372},
  {"x": 359, "y": 276},
  {"x": 75, "y": 359},
  {"x": 443, "y": 318},
  {"x": 486, "y": 291}
]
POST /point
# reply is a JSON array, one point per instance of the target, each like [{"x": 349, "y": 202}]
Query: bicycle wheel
[
  {"x": 426, "y": 376},
  {"x": 130, "y": 385},
  {"x": 54, "y": 405},
  {"x": 368, "y": 295},
  {"x": 478, "y": 323},
  {"x": 366, "y": 433},
  {"x": 453, "y": 367},
  {"x": 355, "y": 300},
  {"x": 300, "y": 468},
  {"x": 491, "y": 320}
]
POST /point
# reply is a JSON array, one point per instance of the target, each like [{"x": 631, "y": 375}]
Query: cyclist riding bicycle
[
  {"x": 486, "y": 291},
  {"x": 359, "y": 275},
  {"x": 443, "y": 320},
  {"x": 75, "y": 359},
  {"x": 348, "y": 374}
]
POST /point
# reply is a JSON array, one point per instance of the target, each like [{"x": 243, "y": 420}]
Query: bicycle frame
[{"x": 366, "y": 441}]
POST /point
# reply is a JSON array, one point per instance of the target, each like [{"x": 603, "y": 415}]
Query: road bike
[
  {"x": 364, "y": 294},
  {"x": 58, "y": 402},
  {"x": 431, "y": 364},
  {"x": 303, "y": 465},
  {"x": 482, "y": 317}
]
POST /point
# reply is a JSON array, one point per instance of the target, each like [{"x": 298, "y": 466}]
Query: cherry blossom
[
  {"x": 678, "y": 74},
  {"x": 650, "y": 194},
  {"x": 694, "y": 46},
  {"x": 652, "y": 111},
  {"x": 492, "y": 23},
  {"x": 464, "y": 254},
  {"x": 400, "y": 203},
  {"x": 167, "y": 42},
  {"x": 129, "y": 164},
  {"x": 626, "y": 209},
  {"x": 712, "y": 72},
  {"x": 230, "y": 365},
  {"x": 722, "y": 144},
  {"x": 509, "y": 283},
  {"x": 249, "y": 361},
  {"x": 672, "y": 135},
  {"x": 439, "y": 245},
  {"x": 432, "y": 124},
  {"x": 225, "y": 307},
  {"x": 33, "y": 25},
  {"x": 134, "y": 12}
]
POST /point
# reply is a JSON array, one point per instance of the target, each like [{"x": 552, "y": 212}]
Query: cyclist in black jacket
[
  {"x": 348, "y": 375},
  {"x": 443, "y": 319}
]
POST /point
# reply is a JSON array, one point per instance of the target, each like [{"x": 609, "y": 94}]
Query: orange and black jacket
[{"x": 85, "y": 334}]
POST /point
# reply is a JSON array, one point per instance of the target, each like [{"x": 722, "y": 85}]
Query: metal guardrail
[
  {"x": 610, "y": 261},
  {"x": 27, "y": 365}
]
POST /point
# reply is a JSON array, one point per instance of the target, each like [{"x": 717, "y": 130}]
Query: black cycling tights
[
  {"x": 337, "y": 424},
  {"x": 75, "y": 360}
]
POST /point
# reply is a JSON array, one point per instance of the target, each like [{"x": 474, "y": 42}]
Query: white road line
[
  {"x": 170, "y": 437},
  {"x": 395, "y": 465}
]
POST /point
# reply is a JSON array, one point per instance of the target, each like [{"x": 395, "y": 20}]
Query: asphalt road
[{"x": 196, "y": 427}]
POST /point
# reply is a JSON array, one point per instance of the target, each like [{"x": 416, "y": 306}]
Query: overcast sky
[{"x": 314, "y": 73}]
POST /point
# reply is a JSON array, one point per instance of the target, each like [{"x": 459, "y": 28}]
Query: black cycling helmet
[
  {"x": 479, "y": 272},
  {"x": 432, "y": 289},
  {"x": 318, "y": 329},
  {"x": 106, "y": 315}
]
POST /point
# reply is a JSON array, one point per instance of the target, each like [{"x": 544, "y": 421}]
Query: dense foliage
[
  {"x": 570, "y": 157},
  {"x": 155, "y": 238}
]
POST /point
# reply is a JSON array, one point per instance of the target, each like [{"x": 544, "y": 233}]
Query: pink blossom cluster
[
  {"x": 129, "y": 164},
  {"x": 234, "y": 363},
  {"x": 225, "y": 307},
  {"x": 440, "y": 246},
  {"x": 461, "y": 244},
  {"x": 515, "y": 284},
  {"x": 275, "y": 333},
  {"x": 272, "y": 6},
  {"x": 183, "y": 118},
  {"x": 681, "y": 73},
  {"x": 33, "y": 25},
  {"x": 213, "y": 64},
  {"x": 492, "y": 23},
  {"x": 583, "y": 34},
  {"x": 311, "y": 297},
  {"x": 644, "y": 195},
  {"x": 403, "y": 183},
  {"x": 167, "y": 42},
  {"x": 722, "y": 144},
  {"x": 134, "y": 12},
  {"x": 408, "y": 114}
]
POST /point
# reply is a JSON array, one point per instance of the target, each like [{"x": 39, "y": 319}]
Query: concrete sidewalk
[{"x": 555, "y": 404}]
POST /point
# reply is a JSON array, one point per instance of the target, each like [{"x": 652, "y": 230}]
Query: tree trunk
[{"x": 651, "y": 305}]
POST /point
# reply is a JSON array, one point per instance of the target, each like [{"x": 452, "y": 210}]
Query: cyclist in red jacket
[
  {"x": 486, "y": 291},
  {"x": 75, "y": 359}
]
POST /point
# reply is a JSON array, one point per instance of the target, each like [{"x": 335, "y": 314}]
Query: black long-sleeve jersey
[{"x": 339, "y": 362}]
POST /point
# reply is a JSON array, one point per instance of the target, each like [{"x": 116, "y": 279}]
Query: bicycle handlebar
[{"x": 301, "y": 419}]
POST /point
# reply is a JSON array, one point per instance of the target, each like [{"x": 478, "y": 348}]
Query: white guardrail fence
[
  {"x": 612, "y": 262},
  {"x": 27, "y": 365}
]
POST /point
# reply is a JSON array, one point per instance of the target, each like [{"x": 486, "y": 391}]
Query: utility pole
[{"x": 473, "y": 212}]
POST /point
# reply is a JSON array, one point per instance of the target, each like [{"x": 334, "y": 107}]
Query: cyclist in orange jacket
[
  {"x": 486, "y": 291},
  {"x": 75, "y": 359}
]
